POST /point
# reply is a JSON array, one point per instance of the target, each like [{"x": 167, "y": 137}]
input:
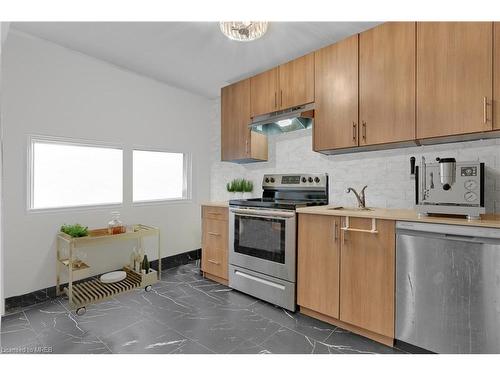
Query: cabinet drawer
[
  {"x": 275, "y": 291},
  {"x": 215, "y": 247},
  {"x": 216, "y": 213},
  {"x": 214, "y": 261},
  {"x": 215, "y": 233}
]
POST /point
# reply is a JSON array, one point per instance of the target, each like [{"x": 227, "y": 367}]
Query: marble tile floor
[{"x": 184, "y": 313}]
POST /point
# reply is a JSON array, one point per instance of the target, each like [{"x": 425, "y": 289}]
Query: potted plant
[
  {"x": 75, "y": 230},
  {"x": 239, "y": 185}
]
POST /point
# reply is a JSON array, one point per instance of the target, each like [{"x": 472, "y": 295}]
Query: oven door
[{"x": 263, "y": 240}]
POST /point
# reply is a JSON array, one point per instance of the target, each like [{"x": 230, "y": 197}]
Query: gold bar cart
[{"x": 83, "y": 293}]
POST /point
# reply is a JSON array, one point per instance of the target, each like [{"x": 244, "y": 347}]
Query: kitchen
[
  {"x": 332, "y": 198},
  {"x": 395, "y": 127}
]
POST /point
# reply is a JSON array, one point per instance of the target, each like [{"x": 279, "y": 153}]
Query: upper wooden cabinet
[
  {"x": 496, "y": 76},
  {"x": 336, "y": 96},
  {"x": 264, "y": 89},
  {"x": 454, "y": 78},
  {"x": 396, "y": 83},
  {"x": 238, "y": 143},
  {"x": 387, "y": 83},
  {"x": 319, "y": 263},
  {"x": 288, "y": 85},
  {"x": 367, "y": 274},
  {"x": 296, "y": 82}
]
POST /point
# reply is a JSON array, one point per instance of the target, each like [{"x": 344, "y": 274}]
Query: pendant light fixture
[{"x": 243, "y": 31}]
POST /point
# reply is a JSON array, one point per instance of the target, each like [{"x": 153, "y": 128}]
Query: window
[
  {"x": 160, "y": 176},
  {"x": 67, "y": 174}
]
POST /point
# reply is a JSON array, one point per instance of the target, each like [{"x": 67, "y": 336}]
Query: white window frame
[
  {"x": 32, "y": 139},
  {"x": 187, "y": 177}
]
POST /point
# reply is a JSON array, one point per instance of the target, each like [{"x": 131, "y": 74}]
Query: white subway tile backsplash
[{"x": 386, "y": 172}]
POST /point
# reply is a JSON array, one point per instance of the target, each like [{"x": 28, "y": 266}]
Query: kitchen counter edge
[
  {"x": 488, "y": 220},
  {"x": 216, "y": 204}
]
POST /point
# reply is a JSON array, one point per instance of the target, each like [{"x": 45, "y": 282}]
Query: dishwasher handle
[
  {"x": 441, "y": 236},
  {"x": 451, "y": 231},
  {"x": 456, "y": 237}
]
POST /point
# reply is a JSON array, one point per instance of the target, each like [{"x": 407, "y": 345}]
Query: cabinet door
[
  {"x": 235, "y": 117},
  {"x": 264, "y": 92},
  {"x": 336, "y": 96},
  {"x": 318, "y": 263},
  {"x": 496, "y": 76},
  {"x": 296, "y": 81},
  {"x": 367, "y": 274},
  {"x": 454, "y": 78},
  {"x": 214, "y": 247},
  {"x": 387, "y": 83}
]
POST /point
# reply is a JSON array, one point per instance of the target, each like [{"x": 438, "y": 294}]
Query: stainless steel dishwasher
[{"x": 448, "y": 287}]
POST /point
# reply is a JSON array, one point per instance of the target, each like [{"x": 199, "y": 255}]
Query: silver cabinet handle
[
  {"x": 343, "y": 233},
  {"x": 335, "y": 230},
  {"x": 281, "y": 98},
  {"x": 485, "y": 110},
  {"x": 214, "y": 234},
  {"x": 364, "y": 130},
  {"x": 213, "y": 261},
  {"x": 275, "y": 100},
  {"x": 354, "y": 131}
]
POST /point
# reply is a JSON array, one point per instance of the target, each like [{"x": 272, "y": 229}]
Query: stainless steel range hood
[{"x": 287, "y": 120}]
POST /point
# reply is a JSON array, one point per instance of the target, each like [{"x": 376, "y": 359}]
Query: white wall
[
  {"x": 385, "y": 172},
  {"x": 51, "y": 90}
]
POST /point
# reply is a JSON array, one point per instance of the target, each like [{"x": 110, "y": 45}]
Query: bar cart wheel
[
  {"x": 148, "y": 288},
  {"x": 81, "y": 310}
]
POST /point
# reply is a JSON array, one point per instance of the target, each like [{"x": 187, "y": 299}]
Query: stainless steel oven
[{"x": 263, "y": 240}]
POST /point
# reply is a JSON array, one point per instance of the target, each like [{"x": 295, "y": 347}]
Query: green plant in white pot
[{"x": 240, "y": 186}]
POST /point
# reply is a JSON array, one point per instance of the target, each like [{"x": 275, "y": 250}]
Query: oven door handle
[{"x": 261, "y": 213}]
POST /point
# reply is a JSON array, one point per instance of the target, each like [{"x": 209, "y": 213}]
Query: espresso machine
[{"x": 450, "y": 187}]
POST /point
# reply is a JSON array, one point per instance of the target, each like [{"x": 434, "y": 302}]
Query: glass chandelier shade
[{"x": 243, "y": 31}]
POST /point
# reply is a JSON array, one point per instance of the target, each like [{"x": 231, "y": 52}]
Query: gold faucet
[{"x": 360, "y": 197}]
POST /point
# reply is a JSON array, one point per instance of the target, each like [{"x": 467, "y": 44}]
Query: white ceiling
[{"x": 191, "y": 55}]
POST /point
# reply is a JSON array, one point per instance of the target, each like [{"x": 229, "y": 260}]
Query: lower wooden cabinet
[
  {"x": 496, "y": 76},
  {"x": 319, "y": 263},
  {"x": 367, "y": 274},
  {"x": 346, "y": 273},
  {"x": 214, "y": 248}
]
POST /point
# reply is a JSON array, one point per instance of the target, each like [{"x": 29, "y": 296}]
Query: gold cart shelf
[{"x": 84, "y": 293}]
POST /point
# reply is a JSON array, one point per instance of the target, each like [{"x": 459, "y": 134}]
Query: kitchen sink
[{"x": 340, "y": 208}]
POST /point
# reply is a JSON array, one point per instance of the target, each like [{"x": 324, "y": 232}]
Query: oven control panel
[
  {"x": 313, "y": 180},
  {"x": 287, "y": 180}
]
